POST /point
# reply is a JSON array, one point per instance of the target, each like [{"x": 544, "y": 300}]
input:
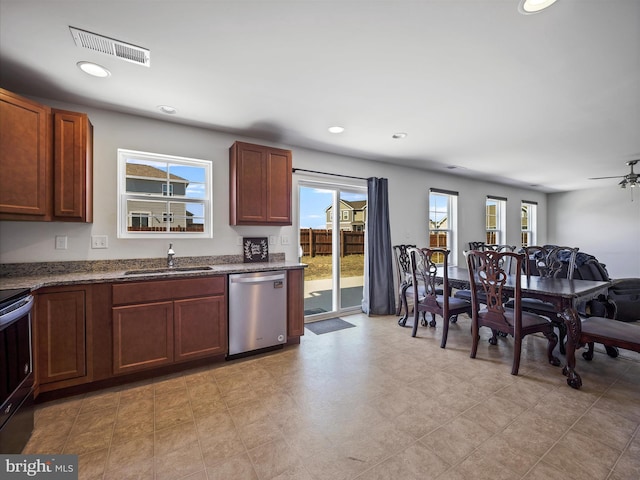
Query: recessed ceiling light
[
  {"x": 527, "y": 7},
  {"x": 336, "y": 129},
  {"x": 399, "y": 135},
  {"x": 168, "y": 109},
  {"x": 93, "y": 69}
]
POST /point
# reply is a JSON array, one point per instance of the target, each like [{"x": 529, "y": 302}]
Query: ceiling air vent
[{"x": 109, "y": 46}]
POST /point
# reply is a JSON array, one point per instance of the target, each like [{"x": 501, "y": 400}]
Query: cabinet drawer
[{"x": 158, "y": 290}]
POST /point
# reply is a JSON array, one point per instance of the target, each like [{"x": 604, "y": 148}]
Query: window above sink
[{"x": 163, "y": 196}]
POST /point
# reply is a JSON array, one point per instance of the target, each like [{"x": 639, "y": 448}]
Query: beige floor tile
[
  {"x": 273, "y": 459},
  {"x": 91, "y": 466},
  {"x": 607, "y": 427},
  {"x": 580, "y": 456},
  {"x": 414, "y": 462},
  {"x": 91, "y": 431},
  {"x": 131, "y": 459},
  {"x": 628, "y": 465},
  {"x": 238, "y": 467},
  {"x": 456, "y": 439}
]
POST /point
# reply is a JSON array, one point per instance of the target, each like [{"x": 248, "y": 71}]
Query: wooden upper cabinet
[
  {"x": 72, "y": 166},
  {"x": 46, "y": 160},
  {"x": 259, "y": 185},
  {"x": 24, "y": 158}
]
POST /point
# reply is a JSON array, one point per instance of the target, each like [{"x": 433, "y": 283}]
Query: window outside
[
  {"x": 163, "y": 196},
  {"x": 442, "y": 222},
  {"x": 495, "y": 224},
  {"x": 528, "y": 223}
]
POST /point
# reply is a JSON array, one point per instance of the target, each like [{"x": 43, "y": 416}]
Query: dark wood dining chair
[
  {"x": 549, "y": 261},
  {"x": 507, "y": 266},
  {"x": 403, "y": 276},
  {"x": 431, "y": 298},
  {"x": 488, "y": 277}
]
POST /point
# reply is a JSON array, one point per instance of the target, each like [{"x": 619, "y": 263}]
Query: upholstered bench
[{"x": 610, "y": 333}]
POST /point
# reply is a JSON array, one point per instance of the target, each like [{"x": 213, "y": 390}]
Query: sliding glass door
[{"x": 332, "y": 228}]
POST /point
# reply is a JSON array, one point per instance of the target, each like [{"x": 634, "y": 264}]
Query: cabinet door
[
  {"x": 259, "y": 185},
  {"x": 142, "y": 336},
  {"x": 24, "y": 158},
  {"x": 248, "y": 171},
  {"x": 295, "y": 303},
  {"x": 61, "y": 337},
  {"x": 200, "y": 327},
  {"x": 72, "y": 167},
  {"x": 278, "y": 187}
]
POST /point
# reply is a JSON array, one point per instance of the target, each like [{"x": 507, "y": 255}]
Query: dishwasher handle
[{"x": 264, "y": 278}]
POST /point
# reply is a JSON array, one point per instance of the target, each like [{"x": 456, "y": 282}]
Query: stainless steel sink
[{"x": 166, "y": 270}]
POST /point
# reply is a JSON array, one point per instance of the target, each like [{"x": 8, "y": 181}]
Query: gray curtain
[{"x": 378, "y": 296}]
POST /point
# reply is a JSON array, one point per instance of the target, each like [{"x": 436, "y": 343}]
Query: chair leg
[
  {"x": 445, "y": 329},
  {"x": 517, "y": 351},
  {"x": 416, "y": 314},
  {"x": 553, "y": 341},
  {"x": 588, "y": 355},
  {"x": 432, "y": 323},
  {"x": 494, "y": 337},
  {"x": 562, "y": 334},
  {"x": 476, "y": 338}
]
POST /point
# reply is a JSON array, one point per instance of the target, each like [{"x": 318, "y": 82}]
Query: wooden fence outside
[{"x": 319, "y": 242}]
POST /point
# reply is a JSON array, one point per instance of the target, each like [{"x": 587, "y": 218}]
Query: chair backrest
[
  {"x": 550, "y": 261},
  {"x": 424, "y": 270},
  {"x": 487, "y": 276},
  {"x": 403, "y": 262},
  {"x": 476, "y": 245},
  {"x": 507, "y": 261}
]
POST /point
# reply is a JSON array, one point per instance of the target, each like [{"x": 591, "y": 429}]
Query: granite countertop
[{"x": 51, "y": 275}]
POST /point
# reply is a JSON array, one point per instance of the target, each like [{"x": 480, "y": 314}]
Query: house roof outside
[{"x": 147, "y": 171}]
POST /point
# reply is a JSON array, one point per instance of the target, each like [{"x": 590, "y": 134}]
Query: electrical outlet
[
  {"x": 61, "y": 242},
  {"x": 272, "y": 239},
  {"x": 239, "y": 241},
  {"x": 284, "y": 239},
  {"x": 99, "y": 241}
]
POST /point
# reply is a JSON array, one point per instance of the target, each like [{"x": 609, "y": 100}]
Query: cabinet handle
[
  {"x": 8, "y": 409},
  {"x": 26, "y": 368}
]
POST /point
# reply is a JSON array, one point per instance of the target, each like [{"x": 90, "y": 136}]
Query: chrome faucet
[{"x": 170, "y": 255}]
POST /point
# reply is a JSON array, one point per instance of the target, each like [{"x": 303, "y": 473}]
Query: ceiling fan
[{"x": 631, "y": 179}]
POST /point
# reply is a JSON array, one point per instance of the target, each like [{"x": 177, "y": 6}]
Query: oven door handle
[{"x": 18, "y": 312}]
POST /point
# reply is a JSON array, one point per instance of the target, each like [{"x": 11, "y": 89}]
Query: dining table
[{"x": 564, "y": 294}]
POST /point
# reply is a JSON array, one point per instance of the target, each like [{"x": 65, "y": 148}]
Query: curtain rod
[{"x": 294, "y": 170}]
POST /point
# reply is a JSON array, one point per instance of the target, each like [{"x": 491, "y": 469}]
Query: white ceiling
[{"x": 547, "y": 99}]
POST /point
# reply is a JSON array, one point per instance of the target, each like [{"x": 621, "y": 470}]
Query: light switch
[
  {"x": 284, "y": 239},
  {"x": 99, "y": 241}
]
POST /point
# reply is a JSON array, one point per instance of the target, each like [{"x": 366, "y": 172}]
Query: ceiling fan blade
[{"x": 602, "y": 178}]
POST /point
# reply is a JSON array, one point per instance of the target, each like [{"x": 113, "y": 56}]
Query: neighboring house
[
  {"x": 145, "y": 179},
  {"x": 353, "y": 215}
]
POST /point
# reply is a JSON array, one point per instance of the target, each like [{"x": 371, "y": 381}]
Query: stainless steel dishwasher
[{"x": 257, "y": 311}]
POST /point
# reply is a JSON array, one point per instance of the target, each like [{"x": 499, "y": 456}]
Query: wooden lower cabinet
[
  {"x": 295, "y": 303},
  {"x": 142, "y": 336},
  {"x": 60, "y": 337},
  {"x": 200, "y": 327},
  {"x": 158, "y": 323}
]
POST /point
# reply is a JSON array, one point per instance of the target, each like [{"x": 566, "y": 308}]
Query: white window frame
[
  {"x": 452, "y": 221},
  {"x": 124, "y": 196},
  {"x": 532, "y": 231},
  {"x": 501, "y": 223}
]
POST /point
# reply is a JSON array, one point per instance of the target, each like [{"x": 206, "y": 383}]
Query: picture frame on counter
[{"x": 255, "y": 249}]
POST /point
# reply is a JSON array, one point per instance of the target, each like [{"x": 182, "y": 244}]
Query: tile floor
[{"x": 362, "y": 403}]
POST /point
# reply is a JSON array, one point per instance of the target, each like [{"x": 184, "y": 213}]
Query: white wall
[
  {"x": 602, "y": 221},
  {"x": 408, "y": 193}
]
